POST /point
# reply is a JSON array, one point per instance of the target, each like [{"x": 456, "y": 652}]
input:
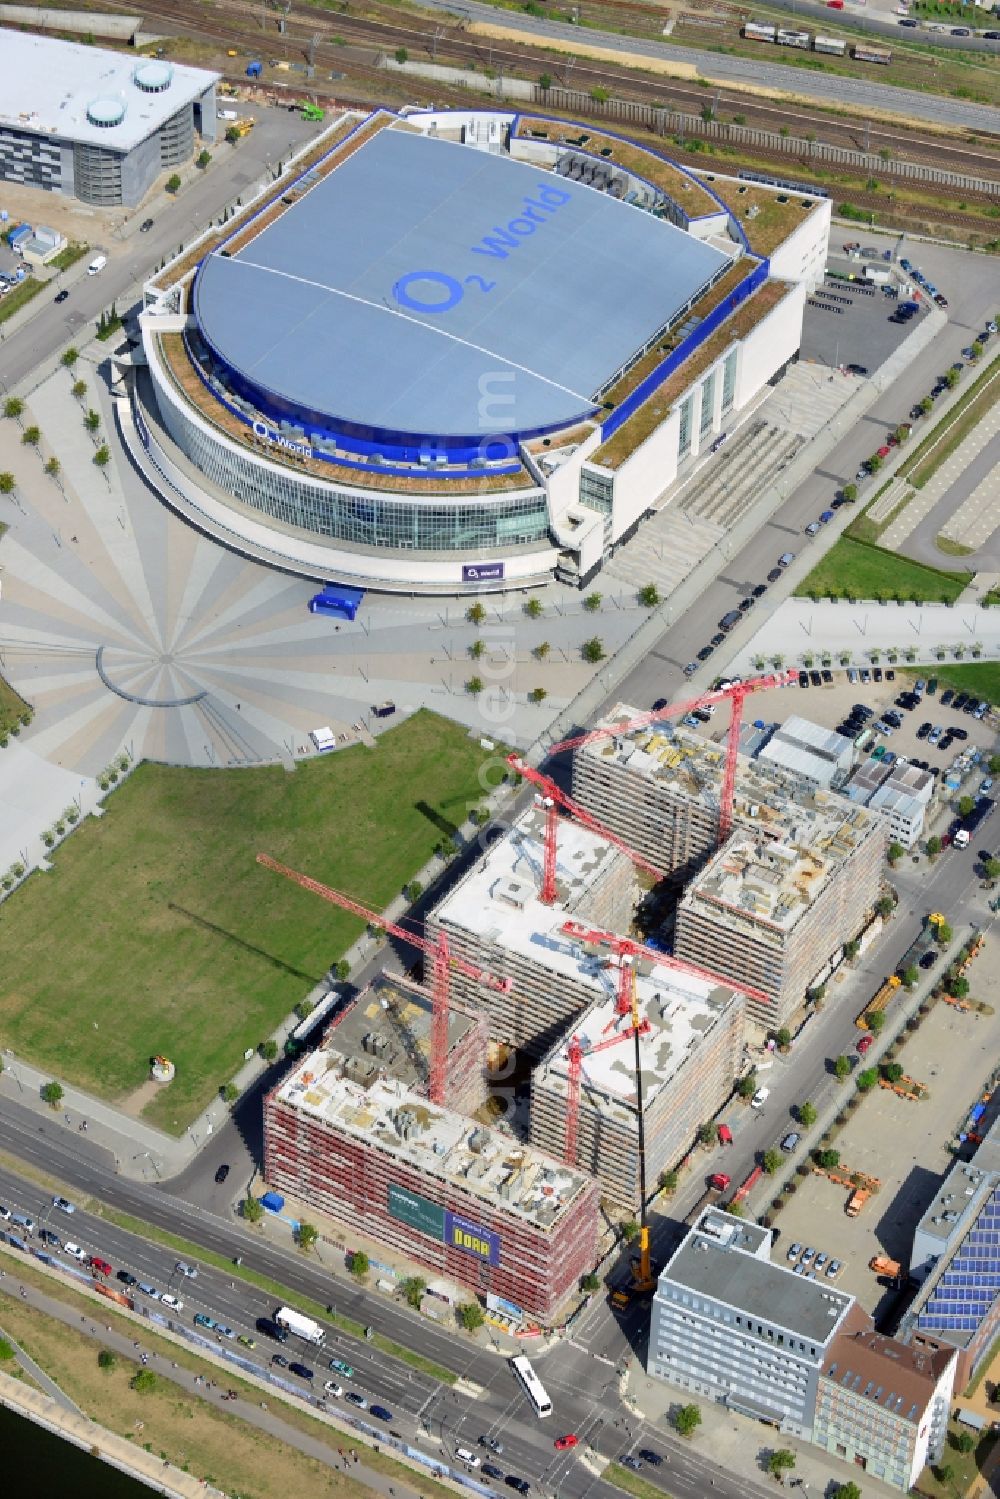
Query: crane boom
[
  {"x": 443, "y": 960},
  {"x": 633, "y": 949},
  {"x": 576, "y": 1053}
]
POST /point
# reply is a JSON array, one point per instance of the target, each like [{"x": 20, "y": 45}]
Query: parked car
[
  {"x": 382, "y": 1413},
  {"x": 632, "y": 1462},
  {"x": 332, "y": 1388},
  {"x": 99, "y": 1266},
  {"x": 222, "y": 1173},
  {"x": 490, "y": 1470},
  {"x": 865, "y": 1044},
  {"x": 302, "y": 1370},
  {"x": 61, "y": 296},
  {"x": 760, "y": 1098},
  {"x": 76, "y": 1253},
  {"x": 48, "y": 1237},
  {"x": 355, "y": 1399},
  {"x": 649, "y": 1456},
  {"x": 150, "y": 1291},
  {"x": 145, "y": 226},
  {"x": 813, "y": 528},
  {"x": 175, "y": 1305},
  {"x": 794, "y": 1250},
  {"x": 463, "y": 1454},
  {"x": 127, "y": 1279},
  {"x": 279, "y": 1361},
  {"x": 833, "y": 1269},
  {"x": 791, "y": 1140}
]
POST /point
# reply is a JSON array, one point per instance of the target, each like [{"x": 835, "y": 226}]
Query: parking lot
[
  {"x": 831, "y": 703},
  {"x": 901, "y": 1143},
  {"x": 848, "y": 323}
]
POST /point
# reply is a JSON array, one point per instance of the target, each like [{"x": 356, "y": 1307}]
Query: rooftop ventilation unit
[
  {"x": 106, "y": 112},
  {"x": 153, "y": 77}
]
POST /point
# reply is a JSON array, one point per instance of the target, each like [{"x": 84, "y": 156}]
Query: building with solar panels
[
  {"x": 956, "y": 1258},
  {"x": 94, "y": 124},
  {"x": 464, "y": 350}
]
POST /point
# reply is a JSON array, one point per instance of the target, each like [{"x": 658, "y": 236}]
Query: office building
[
  {"x": 881, "y": 1406},
  {"x": 807, "y": 754},
  {"x": 731, "y": 1326},
  {"x": 94, "y": 124}
]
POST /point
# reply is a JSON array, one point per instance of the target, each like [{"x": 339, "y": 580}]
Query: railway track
[{"x": 227, "y": 23}]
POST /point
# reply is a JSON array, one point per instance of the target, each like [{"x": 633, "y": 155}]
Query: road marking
[{"x": 467, "y": 1387}]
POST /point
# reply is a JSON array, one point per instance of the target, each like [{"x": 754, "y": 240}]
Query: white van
[
  {"x": 760, "y": 1098},
  {"x": 469, "y": 1458},
  {"x": 97, "y": 265}
]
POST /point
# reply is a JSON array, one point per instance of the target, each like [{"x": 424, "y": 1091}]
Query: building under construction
[
  {"x": 493, "y": 918},
  {"x": 689, "y": 1056},
  {"x": 790, "y": 886},
  {"x": 777, "y": 903},
  {"x": 386, "y": 1033},
  {"x": 465, "y": 1201}
]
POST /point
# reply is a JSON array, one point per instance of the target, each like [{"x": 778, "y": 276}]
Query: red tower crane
[
  {"x": 629, "y": 948},
  {"x": 438, "y": 951},
  {"x": 575, "y": 1054},
  {"x": 735, "y": 696},
  {"x": 553, "y": 797}
]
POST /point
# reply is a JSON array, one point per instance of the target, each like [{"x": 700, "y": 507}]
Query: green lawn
[
  {"x": 18, "y": 296},
  {"x": 12, "y": 704},
  {"x": 68, "y": 255},
  {"x": 156, "y": 932},
  {"x": 963, "y": 1468},
  {"x": 981, "y": 678},
  {"x": 852, "y": 569}
]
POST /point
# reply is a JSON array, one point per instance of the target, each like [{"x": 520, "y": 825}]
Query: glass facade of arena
[
  {"x": 707, "y": 404},
  {"x": 684, "y": 428},
  {"x": 371, "y": 520},
  {"x": 729, "y": 380}
]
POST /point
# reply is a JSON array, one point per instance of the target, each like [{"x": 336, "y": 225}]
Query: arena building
[
  {"x": 94, "y": 124},
  {"x": 464, "y": 350}
]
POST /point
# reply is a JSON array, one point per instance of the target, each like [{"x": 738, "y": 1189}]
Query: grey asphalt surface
[
  {"x": 920, "y": 543},
  {"x": 865, "y": 93}
]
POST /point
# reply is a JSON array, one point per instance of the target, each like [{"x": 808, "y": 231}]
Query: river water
[{"x": 48, "y": 1465}]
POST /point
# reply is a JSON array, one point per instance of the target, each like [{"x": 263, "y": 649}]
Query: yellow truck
[{"x": 878, "y": 1002}]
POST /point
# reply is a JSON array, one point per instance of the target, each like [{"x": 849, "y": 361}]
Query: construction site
[{"x": 541, "y": 963}]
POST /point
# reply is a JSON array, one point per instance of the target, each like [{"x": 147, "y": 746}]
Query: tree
[
  {"x": 13, "y": 407},
  {"x": 52, "y": 1094},
  {"x": 401, "y": 55},
  {"x": 783, "y": 1038},
  {"x": 873, "y": 464},
  {"x": 966, "y": 804},
  {"x": 977, "y": 349},
  {"x": 475, "y": 613},
  {"x": 958, "y": 988},
  {"x": 103, "y": 456},
  {"x": 471, "y": 1316},
  {"x": 994, "y": 765},
  {"x": 359, "y": 1265},
  {"x": 842, "y": 1068},
  {"x": 477, "y": 648},
  {"x": 630, "y": 1230},
  {"x": 926, "y": 405},
  {"x": 965, "y": 1442},
  {"x": 593, "y": 650},
  {"x": 305, "y": 1006},
  {"x": 541, "y": 650},
  {"x": 173, "y": 183},
  {"x": 230, "y": 1092},
  {"x": 144, "y": 1382},
  {"x": 269, "y": 1049},
  {"x": 592, "y": 602},
  {"x": 474, "y": 686},
  {"x": 7, "y": 483},
  {"x": 534, "y": 608},
  {"x": 771, "y": 1161},
  {"x": 895, "y": 852},
  {"x": 943, "y": 934},
  {"x": 706, "y": 1134},
  {"x": 828, "y": 1159},
  {"x": 806, "y": 1114},
  {"x": 668, "y": 1181},
  {"x": 53, "y": 467},
  {"x": 933, "y": 846},
  {"x": 342, "y": 971},
  {"x": 69, "y": 358},
  {"x": 649, "y": 596},
  {"x": 849, "y": 492},
  {"x": 911, "y": 976},
  {"x": 544, "y": 82},
  {"x": 780, "y": 1462},
  {"x": 251, "y": 1209},
  {"x": 687, "y": 1420},
  {"x": 944, "y": 1472},
  {"x": 204, "y": 158},
  {"x": 991, "y": 868},
  {"x": 851, "y": 949},
  {"x": 79, "y": 389},
  {"x": 865, "y": 1081},
  {"x": 92, "y": 420},
  {"x": 590, "y": 1283},
  {"x": 884, "y": 906},
  {"x": 106, "y": 1360},
  {"x": 746, "y": 1086},
  {"x": 902, "y": 433},
  {"x": 413, "y": 1288},
  {"x": 876, "y": 1022},
  {"x": 232, "y": 135},
  {"x": 537, "y": 695},
  {"x": 951, "y": 378},
  {"x": 413, "y": 890},
  {"x": 307, "y": 1236},
  {"x": 891, "y": 1071},
  {"x": 847, "y": 1490}
]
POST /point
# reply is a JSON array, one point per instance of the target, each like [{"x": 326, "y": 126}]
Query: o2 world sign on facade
[{"x": 440, "y": 1223}]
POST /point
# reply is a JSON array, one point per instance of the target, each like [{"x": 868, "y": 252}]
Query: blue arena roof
[{"x": 425, "y": 289}]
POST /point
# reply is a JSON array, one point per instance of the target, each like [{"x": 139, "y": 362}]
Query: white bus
[{"x": 532, "y": 1385}]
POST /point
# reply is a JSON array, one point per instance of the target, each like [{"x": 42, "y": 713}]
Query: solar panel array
[{"x": 971, "y": 1283}]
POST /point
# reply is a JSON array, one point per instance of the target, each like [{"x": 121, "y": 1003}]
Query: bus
[{"x": 532, "y": 1385}]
